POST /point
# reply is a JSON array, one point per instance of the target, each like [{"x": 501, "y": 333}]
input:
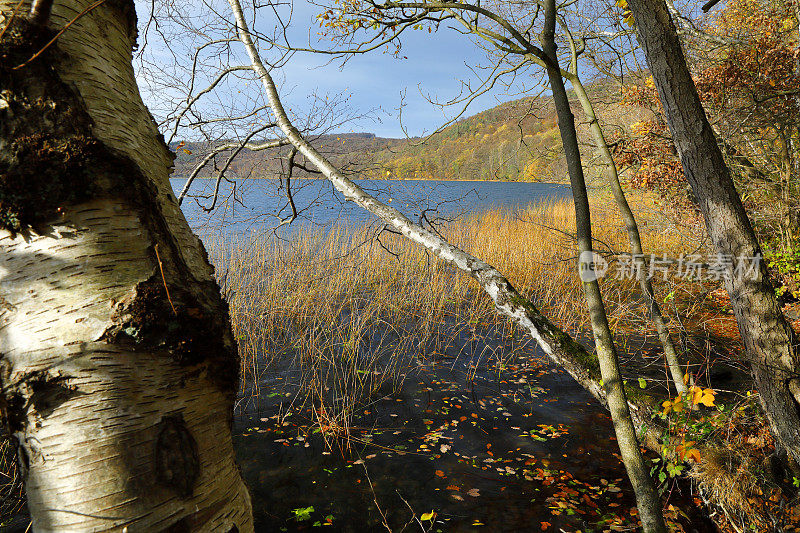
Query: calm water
[
  {"x": 484, "y": 433},
  {"x": 248, "y": 205}
]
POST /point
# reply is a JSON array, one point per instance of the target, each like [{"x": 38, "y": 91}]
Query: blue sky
[
  {"x": 435, "y": 64},
  {"x": 429, "y": 64}
]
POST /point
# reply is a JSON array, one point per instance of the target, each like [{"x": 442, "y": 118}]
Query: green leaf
[
  {"x": 303, "y": 513},
  {"x": 426, "y": 516},
  {"x": 642, "y": 383}
]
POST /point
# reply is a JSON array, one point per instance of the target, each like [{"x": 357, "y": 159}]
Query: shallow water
[{"x": 502, "y": 442}]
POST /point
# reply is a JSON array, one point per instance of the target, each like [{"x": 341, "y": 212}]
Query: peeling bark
[{"x": 120, "y": 396}]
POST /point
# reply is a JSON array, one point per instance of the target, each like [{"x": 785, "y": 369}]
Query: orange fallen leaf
[{"x": 439, "y": 473}]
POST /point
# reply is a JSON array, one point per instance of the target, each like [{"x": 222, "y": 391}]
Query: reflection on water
[
  {"x": 487, "y": 433},
  {"x": 261, "y": 204}
]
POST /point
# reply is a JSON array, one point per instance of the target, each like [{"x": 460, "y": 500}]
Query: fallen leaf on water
[
  {"x": 439, "y": 473},
  {"x": 474, "y": 493}
]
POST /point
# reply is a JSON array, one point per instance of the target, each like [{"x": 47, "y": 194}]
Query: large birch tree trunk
[{"x": 117, "y": 363}]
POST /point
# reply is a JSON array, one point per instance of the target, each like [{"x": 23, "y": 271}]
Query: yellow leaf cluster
[
  {"x": 697, "y": 395},
  {"x": 700, "y": 395},
  {"x": 675, "y": 405},
  {"x": 627, "y": 16}
]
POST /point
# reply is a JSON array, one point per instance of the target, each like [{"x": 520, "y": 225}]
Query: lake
[
  {"x": 260, "y": 204},
  {"x": 474, "y": 428}
]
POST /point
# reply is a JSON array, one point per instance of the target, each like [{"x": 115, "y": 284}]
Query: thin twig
[
  {"x": 11, "y": 18},
  {"x": 70, "y": 23},
  {"x": 375, "y": 499},
  {"x": 164, "y": 279}
]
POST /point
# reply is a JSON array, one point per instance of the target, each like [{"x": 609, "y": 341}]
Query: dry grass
[
  {"x": 727, "y": 478},
  {"x": 351, "y": 310},
  {"x": 12, "y": 498}
]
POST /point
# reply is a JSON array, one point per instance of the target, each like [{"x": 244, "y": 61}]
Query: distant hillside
[{"x": 514, "y": 141}]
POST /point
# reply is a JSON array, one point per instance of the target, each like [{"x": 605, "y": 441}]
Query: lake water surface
[
  {"x": 484, "y": 433},
  {"x": 260, "y": 204}
]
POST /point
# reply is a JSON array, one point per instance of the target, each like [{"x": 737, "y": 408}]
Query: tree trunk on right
[{"x": 771, "y": 345}]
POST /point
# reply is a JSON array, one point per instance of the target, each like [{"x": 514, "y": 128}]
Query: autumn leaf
[
  {"x": 428, "y": 516},
  {"x": 693, "y": 454},
  {"x": 546, "y": 525},
  {"x": 708, "y": 398},
  {"x": 439, "y": 473},
  {"x": 675, "y": 405},
  {"x": 704, "y": 396}
]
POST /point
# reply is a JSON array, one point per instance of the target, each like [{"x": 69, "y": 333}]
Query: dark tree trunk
[
  {"x": 770, "y": 343},
  {"x": 647, "y": 497}
]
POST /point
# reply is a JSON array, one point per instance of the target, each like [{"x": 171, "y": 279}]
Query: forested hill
[{"x": 514, "y": 141}]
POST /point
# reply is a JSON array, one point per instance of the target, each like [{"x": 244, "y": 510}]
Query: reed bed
[{"x": 354, "y": 311}]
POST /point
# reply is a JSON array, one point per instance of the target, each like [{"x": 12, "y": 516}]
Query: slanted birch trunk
[
  {"x": 559, "y": 346},
  {"x": 117, "y": 363}
]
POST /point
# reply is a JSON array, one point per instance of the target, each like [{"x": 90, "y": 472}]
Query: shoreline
[{"x": 562, "y": 183}]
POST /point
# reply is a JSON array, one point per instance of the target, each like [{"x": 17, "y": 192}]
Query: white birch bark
[{"x": 113, "y": 436}]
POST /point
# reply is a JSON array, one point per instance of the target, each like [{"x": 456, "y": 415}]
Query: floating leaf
[{"x": 303, "y": 513}]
